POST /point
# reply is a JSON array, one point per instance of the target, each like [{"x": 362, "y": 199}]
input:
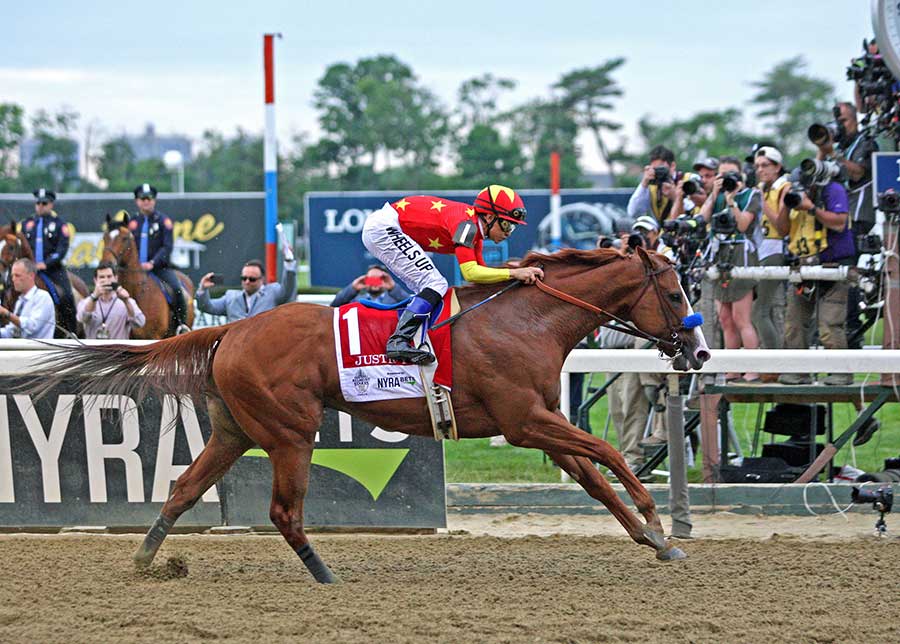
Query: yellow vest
[
  {"x": 807, "y": 234},
  {"x": 771, "y": 197},
  {"x": 659, "y": 204}
]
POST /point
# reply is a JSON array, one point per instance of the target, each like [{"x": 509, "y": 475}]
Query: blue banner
[
  {"x": 334, "y": 222},
  {"x": 886, "y": 171}
]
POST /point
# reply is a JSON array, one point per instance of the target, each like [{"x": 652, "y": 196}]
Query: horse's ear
[
  {"x": 644, "y": 257},
  {"x": 125, "y": 218},
  {"x": 12, "y": 225},
  {"x": 108, "y": 222}
]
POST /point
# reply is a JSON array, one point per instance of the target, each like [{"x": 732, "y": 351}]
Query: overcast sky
[{"x": 193, "y": 65}]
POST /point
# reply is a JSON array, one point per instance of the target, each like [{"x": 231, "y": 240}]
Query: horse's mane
[{"x": 570, "y": 256}]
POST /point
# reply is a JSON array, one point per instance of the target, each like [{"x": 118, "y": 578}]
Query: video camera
[
  {"x": 882, "y": 501},
  {"x": 723, "y": 222},
  {"x": 889, "y": 202},
  {"x": 878, "y": 90}
]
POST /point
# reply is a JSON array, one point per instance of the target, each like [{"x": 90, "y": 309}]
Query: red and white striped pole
[
  {"x": 270, "y": 156},
  {"x": 555, "y": 202}
]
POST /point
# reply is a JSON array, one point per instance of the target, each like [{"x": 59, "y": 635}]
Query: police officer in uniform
[
  {"x": 153, "y": 232},
  {"x": 48, "y": 235}
]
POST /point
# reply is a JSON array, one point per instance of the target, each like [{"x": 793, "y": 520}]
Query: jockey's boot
[
  {"x": 399, "y": 345},
  {"x": 180, "y": 312}
]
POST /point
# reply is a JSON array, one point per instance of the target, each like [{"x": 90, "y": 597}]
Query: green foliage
[
  {"x": 226, "y": 164},
  {"x": 12, "y": 129},
  {"x": 789, "y": 101},
  {"x": 588, "y": 92},
  {"x": 55, "y": 162},
  {"x": 117, "y": 165},
  {"x": 541, "y": 127},
  {"x": 375, "y": 113}
]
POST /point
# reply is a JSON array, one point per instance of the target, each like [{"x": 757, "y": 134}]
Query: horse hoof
[
  {"x": 671, "y": 553},
  {"x": 656, "y": 539}
]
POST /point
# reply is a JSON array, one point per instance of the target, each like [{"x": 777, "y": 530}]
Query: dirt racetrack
[{"x": 838, "y": 586}]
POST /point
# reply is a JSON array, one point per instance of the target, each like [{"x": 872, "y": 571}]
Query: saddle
[{"x": 167, "y": 291}]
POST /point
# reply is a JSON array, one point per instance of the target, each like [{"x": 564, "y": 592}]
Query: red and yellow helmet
[{"x": 503, "y": 202}]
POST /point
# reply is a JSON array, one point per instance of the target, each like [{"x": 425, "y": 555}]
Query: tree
[
  {"x": 478, "y": 99},
  {"x": 226, "y": 164},
  {"x": 588, "y": 92},
  {"x": 375, "y": 112},
  {"x": 12, "y": 129},
  {"x": 118, "y": 166},
  {"x": 713, "y": 133},
  {"x": 790, "y": 101},
  {"x": 55, "y": 159},
  {"x": 541, "y": 127}
]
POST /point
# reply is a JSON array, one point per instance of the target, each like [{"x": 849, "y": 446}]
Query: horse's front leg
[{"x": 551, "y": 432}]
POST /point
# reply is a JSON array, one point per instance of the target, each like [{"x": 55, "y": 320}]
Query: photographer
[
  {"x": 109, "y": 313},
  {"x": 376, "y": 285},
  {"x": 842, "y": 141},
  {"x": 814, "y": 215},
  {"x": 733, "y": 211},
  {"x": 768, "y": 308},
  {"x": 656, "y": 192}
]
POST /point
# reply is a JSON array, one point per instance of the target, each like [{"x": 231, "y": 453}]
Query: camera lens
[
  {"x": 690, "y": 187},
  {"x": 729, "y": 183},
  {"x": 818, "y": 134},
  {"x": 793, "y": 198}
]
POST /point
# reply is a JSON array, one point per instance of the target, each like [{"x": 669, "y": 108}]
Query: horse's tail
[{"x": 178, "y": 365}]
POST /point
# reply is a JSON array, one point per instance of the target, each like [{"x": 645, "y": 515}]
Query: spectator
[
  {"x": 376, "y": 285},
  {"x": 626, "y": 403},
  {"x": 109, "y": 312},
  {"x": 768, "y": 308},
  {"x": 818, "y": 232},
  {"x": 48, "y": 234},
  {"x": 656, "y": 192},
  {"x": 734, "y": 212},
  {"x": 33, "y": 316},
  {"x": 153, "y": 232},
  {"x": 254, "y": 296}
]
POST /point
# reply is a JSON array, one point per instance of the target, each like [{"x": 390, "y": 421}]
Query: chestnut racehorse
[
  {"x": 120, "y": 248},
  {"x": 13, "y": 246},
  {"x": 268, "y": 379}
]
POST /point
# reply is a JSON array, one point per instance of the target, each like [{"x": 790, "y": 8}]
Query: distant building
[{"x": 151, "y": 145}]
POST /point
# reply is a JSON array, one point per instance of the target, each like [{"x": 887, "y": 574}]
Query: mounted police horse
[
  {"x": 14, "y": 246},
  {"x": 120, "y": 248},
  {"x": 268, "y": 379}
]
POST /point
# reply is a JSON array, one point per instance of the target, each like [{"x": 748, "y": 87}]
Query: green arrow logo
[{"x": 371, "y": 468}]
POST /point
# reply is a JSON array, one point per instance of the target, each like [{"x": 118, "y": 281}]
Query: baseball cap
[
  {"x": 707, "y": 162},
  {"x": 646, "y": 222},
  {"x": 772, "y": 154}
]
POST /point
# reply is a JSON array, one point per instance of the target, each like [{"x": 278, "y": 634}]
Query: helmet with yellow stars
[{"x": 502, "y": 202}]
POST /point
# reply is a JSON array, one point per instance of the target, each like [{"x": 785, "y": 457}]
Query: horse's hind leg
[{"x": 226, "y": 444}]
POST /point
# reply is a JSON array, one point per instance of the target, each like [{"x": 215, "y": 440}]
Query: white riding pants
[{"x": 402, "y": 255}]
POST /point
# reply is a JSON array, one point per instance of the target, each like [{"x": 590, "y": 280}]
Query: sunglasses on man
[{"x": 248, "y": 278}]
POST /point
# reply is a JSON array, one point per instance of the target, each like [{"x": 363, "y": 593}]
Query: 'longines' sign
[
  {"x": 334, "y": 221},
  {"x": 213, "y": 232},
  {"x": 73, "y": 459}
]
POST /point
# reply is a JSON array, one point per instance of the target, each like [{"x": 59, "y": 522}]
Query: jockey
[
  {"x": 401, "y": 232},
  {"x": 152, "y": 231},
  {"x": 49, "y": 235}
]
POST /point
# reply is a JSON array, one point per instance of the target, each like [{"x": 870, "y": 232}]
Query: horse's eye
[{"x": 675, "y": 298}]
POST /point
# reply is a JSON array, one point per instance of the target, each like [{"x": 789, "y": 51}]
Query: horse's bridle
[{"x": 671, "y": 346}]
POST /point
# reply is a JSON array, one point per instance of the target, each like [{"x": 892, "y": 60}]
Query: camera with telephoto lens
[
  {"x": 660, "y": 175},
  {"x": 881, "y": 499},
  {"x": 723, "y": 222},
  {"x": 691, "y": 185},
  {"x": 889, "y": 202},
  {"x": 686, "y": 225},
  {"x": 730, "y": 181},
  {"x": 609, "y": 242},
  {"x": 822, "y": 133}
]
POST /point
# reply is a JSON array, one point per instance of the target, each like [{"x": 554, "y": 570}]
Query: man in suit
[{"x": 254, "y": 296}]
